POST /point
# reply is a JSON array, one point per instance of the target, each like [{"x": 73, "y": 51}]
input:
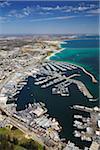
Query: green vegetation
[{"x": 14, "y": 139}]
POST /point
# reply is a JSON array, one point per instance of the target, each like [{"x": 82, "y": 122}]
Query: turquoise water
[
  {"x": 83, "y": 52},
  {"x": 59, "y": 106}
]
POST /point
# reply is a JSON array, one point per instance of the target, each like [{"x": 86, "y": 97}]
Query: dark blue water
[
  {"x": 58, "y": 107},
  {"x": 84, "y": 52}
]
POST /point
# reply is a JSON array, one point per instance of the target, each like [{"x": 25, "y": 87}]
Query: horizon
[
  {"x": 46, "y": 17},
  {"x": 67, "y": 34}
]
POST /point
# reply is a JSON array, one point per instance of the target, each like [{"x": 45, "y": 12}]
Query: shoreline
[
  {"x": 57, "y": 51},
  {"x": 21, "y": 74},
  {"x": 83, "y": 69}
]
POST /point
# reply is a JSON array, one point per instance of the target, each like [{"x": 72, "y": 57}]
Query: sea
[{"x": 83, "y": 51}]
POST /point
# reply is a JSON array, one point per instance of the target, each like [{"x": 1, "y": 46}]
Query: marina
[
  {"x": 87, "y": 128},
  {"x": 54, "y": 105},
  {"x": 49, "y": 75},
  {"x": 58, "y": 85},
  {"x": 77, "y": 53},
  {"x": 57, "y": 78}
]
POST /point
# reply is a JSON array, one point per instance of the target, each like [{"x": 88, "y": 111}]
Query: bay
[{"x": 59, "y": 107}]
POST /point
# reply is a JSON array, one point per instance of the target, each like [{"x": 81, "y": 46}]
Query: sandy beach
[{"x": 58, "y": 43}]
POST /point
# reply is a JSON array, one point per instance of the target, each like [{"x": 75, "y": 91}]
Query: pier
[
  {"x": 58, "y": 79},
  {"x": 88, "y": 73}
]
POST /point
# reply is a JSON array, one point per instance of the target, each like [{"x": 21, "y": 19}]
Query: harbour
[
  {"x": 56, "y": 105},
  {"x": 59, "y": 104},
  {"x": 77, "y": 52},
  {"x": 59, "y": 85},
  {"x": 49, "y": 75}
]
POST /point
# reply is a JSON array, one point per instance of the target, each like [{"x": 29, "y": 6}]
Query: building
[{"x": 95, "y": 146}]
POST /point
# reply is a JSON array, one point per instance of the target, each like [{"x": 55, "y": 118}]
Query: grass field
[{"x": 23, "y": 143}]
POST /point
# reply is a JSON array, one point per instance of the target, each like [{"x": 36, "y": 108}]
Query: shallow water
[{"x": 59, "y": 107}]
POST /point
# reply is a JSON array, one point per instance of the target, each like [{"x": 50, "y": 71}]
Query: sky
[{"x": 49, "y": 17}]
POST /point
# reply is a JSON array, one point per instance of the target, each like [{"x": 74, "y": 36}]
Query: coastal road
[{"x": 18, "y": 124}]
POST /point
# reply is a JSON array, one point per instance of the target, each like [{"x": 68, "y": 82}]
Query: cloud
[
  {"x": 21, "y": 13},
  {"x": 15, "y": 13},
  {"x": 53, "y": 18},
  {"x": 51, "y": 8},
  {"x": 27, "y": 11},
  {"x": 80, "y": 8},
  {"x": 5, "y": 3},
  {"x": 47, "y": 10},
  {"x": 95, "y": 11},
  {"x": 37, "y": 10},
  {"x": 68, "y": 8},
  {"x": 92, "y": 13}
]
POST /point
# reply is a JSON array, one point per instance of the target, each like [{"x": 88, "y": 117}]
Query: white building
[
  {"x": 3, "y": 99},
  {"x": 99, "y": 123}
]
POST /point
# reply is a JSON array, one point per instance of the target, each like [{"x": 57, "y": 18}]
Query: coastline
[
  {"x": 57, "y": 51},
  {"x": 27, "y": 70},
  {"x": 84, "y": 70}
]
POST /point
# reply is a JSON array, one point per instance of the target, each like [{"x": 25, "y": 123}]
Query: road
[
  {"x": 22, "y": 127},
  {"x": 12, "y": 74}
]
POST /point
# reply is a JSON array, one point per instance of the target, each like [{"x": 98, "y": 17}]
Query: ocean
[{"x": 84, "y": 52}]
